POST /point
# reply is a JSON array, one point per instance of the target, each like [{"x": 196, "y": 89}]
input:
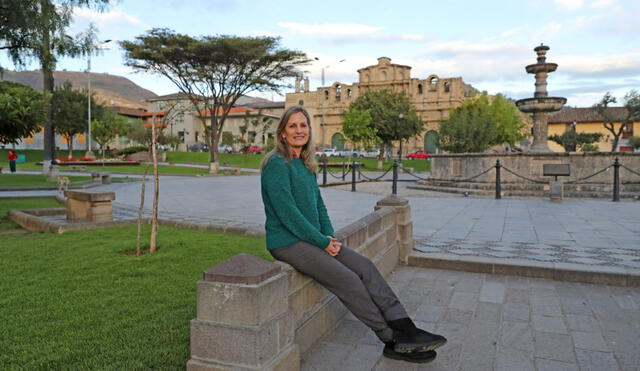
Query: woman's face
[{"x": 296, "y": 131}]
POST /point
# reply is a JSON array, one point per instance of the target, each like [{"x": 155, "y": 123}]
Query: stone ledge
[
  {"x": 605, "y": 275},
  {"x": 90, "y": 196}
]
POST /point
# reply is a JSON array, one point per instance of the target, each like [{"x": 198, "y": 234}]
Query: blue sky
[{"x": 488, "y": 43}]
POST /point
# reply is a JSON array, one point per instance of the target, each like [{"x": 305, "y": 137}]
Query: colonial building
[
  {"x": 432, "y": 97},
  {"x": 588, "y": 120}
]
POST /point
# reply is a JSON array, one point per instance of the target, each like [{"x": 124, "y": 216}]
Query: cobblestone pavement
[
  {"x": 582, "y": 231},
  {"x": 501, "y": 323}
]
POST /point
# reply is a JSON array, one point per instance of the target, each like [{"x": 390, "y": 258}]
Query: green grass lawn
[
  {"x": 74, "y": 301},
  {"x": 7, "y": 204},
  {"x": 253, "y": 161},
  {"x": 33, "y": 180}
]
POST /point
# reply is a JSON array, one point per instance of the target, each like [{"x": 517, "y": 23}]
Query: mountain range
[{"x": 109, "y": 90}]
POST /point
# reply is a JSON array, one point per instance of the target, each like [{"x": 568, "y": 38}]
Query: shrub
[{"x": 130, "y": 150}]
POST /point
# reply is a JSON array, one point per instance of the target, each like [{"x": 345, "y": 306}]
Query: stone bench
[
  {"x": 89, "y": 206},
  {"x": 101, "y": 177},
  {"x": 258, "y": 315}
]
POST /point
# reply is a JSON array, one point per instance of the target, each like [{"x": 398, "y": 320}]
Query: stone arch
[
  {"x": 383, "y": 75},
  {"x": 433, "y": 82},
  {"x": 337, "y": 141},
  {"x": 431, "y": 141},
  {"x": 419, "y": 88},
  {"x": 446, "y": 86}
]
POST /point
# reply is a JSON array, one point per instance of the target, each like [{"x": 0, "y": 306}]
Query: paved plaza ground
[{"x": 492, "y": 322}]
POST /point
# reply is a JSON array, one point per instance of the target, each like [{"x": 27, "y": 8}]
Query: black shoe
[
  {"x": 415, "y": 357},
  {"x": 408, "y": 338}
]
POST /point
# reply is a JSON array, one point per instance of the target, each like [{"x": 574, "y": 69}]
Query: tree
[
  {"x": 214, "y": 71},
  {"x": 356, "y": 128},
  {"x": 69, "y": 113},
  {"x": 634, "y": 142},
  {"x": 392, "y": 117},
  {"x": 571, "y": 141},
  {"x": 22, "y": 111},
  {"x": 106, "y": 127},
  {"x": 631, "y": 113},
  {"x": 37, "y": 29},
  {"x": 479, "y": 123}
]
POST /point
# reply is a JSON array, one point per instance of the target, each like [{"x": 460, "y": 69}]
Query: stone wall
[
  {"x": 583, "y": 164},
  {"x": 248, "y": 302}
]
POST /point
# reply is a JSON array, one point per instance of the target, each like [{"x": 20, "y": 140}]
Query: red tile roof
[
  {"x": 239, "y": 111},
  {"x": 150, "y": 114}
]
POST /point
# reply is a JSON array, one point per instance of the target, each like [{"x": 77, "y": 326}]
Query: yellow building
[
  {"x": 432, "y": 98},
  {"x": 587, "y": 120}
]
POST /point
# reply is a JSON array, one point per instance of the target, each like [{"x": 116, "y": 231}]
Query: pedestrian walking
[
  {"x": 12, "y": 160},
  {"x": 299, "y": 232}
]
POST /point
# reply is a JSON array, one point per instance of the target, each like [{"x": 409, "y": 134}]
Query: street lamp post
[{"x": 89, "y": 152}]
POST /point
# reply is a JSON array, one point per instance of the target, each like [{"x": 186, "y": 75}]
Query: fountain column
[{"x": 541, "y": 104}]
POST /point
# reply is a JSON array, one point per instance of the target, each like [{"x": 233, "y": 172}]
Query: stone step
[
  {"x": 585, "y": 187},
  {"x": 521, "y": 193}
]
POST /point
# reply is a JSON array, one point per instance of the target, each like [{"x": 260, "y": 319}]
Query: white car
[
  {"x": 329, "y": 152},
  {"x": 351, "y": 153}
]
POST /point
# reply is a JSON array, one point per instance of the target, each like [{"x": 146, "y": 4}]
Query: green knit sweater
[{"x": 293, "y": 205}]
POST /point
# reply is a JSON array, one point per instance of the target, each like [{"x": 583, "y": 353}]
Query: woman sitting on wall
[{"x": 299, "y": 232}]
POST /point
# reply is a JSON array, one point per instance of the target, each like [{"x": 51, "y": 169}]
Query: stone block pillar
[
  {"x": 243, "y": 318},
  {"x": 404, "y": 222},
  {"x": 89, "y": 206}
]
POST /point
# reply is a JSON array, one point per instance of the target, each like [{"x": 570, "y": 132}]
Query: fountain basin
[
  {"x": 541, "y": 67},
  {"x": 546, "y": 104}
]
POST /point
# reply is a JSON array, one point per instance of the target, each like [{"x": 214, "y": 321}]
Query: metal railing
[{"x": 498, "y": 167}]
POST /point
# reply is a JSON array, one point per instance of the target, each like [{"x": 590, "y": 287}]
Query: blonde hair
[{"x": 307, "y": 155}]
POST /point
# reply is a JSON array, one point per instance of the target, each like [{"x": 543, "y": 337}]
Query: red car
[
  {"x": 420, "y": 154},
  {"x": 254, "y": 150}
]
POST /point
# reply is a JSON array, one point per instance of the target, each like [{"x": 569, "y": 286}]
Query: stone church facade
[{"x": 432, "y": 97}]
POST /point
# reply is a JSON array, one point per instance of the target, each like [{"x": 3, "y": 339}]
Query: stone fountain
[
  {"x": 541, "y": 104},
  {"x": 465, "y": 172}
]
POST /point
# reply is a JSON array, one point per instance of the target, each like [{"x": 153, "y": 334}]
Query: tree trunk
[
  {"x": 46, "y": 63},
  {"x": 144, "y": 183},
  {"x": 70, "y": 146},
  {"x": 214, "y": 164},
  {"x": 154, "y": 213}
]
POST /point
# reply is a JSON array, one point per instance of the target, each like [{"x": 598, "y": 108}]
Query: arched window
[
  {"x": 384, "y": 75},
  {"x": 338, "y": 92},
  {"x": 326, "y": 94},
  {"x": 433, "y": 83},
  {"x": 348, "y": 93},
  {"x": 419, "y": 88},
  {"x": 446, "y": 86}
]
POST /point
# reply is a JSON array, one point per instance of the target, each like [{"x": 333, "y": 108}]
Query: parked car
[
  {"x": 350, "y": 153},
  {"x": 371, "y": 154},
  {"x": 329, "y": 152},
  {"x": 198, "y": 147},
  {"x": 224, "y": 148},
  {"x": 419, "y": 154},
  {"x": 254, "y": 150}
]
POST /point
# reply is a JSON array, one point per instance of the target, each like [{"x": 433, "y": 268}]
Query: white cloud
[
  {"x": 346, "y": 32},
  {"x": 601, "y": 4},
  {"x": 569, "y": 4},
  {"x": 457, "y": 48},
  {"x": 604, "y": 66},
  {"x": 104, "y": 20},
  {"x": 548, "y": 32}
]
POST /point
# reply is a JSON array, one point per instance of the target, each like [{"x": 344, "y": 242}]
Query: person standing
[
  {"x": 299, "y": 232},
  {"x": 12, "y": 160}
]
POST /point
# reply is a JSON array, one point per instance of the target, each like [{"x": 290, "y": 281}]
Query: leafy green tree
[
  {"x": 571, "y": 140},
  {"x": 357, "y": 128},
  {"x": 214, "y": 71},
  {"x": 142, "y": 135},
  {"x": 392, "y": 117},
  {"x": 37, "y": 29},
  {"x": 631, "y": 103},
  {"x": 479, "y": 124},
  {"x": 106, "y": 127},
  {"x": 22, "y": 111},
  {"x": 634, "y": 142},
  {"x": 69, "y": 113}
]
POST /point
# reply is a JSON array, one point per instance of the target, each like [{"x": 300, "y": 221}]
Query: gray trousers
[{"x": 353, "y": 278}]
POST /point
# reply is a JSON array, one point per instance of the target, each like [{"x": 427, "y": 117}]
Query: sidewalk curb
[{"x": 596, "y": 274}]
